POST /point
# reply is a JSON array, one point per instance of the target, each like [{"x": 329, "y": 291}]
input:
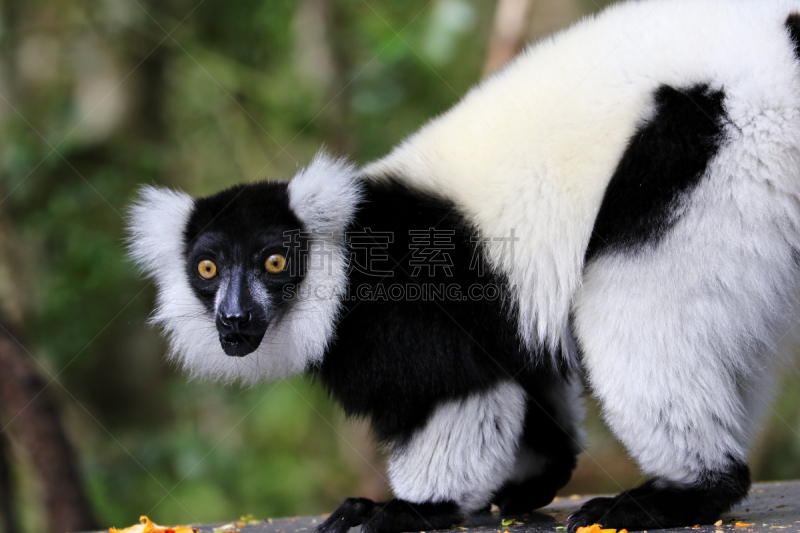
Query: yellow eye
[
  {"x": 207, "y": 269},
  {"x": 275, "y": 263}
]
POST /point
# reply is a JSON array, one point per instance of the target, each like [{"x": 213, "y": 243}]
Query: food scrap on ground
[
  {"x": 145, "y": 525},
  {"x": 597, "y": 528}
]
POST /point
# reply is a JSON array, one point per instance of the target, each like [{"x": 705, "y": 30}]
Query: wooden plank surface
[{"x": 772, "y": 507}]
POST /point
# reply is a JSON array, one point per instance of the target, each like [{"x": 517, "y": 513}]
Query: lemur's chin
[{"x": 240, "y": 344}]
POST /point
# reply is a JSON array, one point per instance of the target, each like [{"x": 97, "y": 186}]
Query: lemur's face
[
  {"x": 257, "y": 269},
  {"x": 242, "y": 247}
]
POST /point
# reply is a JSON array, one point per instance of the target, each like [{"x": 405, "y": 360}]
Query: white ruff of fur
[{"x": 324, "y": 196}]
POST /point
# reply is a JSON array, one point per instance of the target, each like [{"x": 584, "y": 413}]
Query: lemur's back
[
  {"x": 535, "y": 146},
  {"x": 649, "y": 162}
]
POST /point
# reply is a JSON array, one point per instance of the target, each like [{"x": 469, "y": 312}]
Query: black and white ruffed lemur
[{"x": 646, "y": 162}]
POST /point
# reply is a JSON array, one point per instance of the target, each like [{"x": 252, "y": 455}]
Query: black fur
[
  {"x": 664, "y": 160},
  {"x": 393, "y": 516},
  {"x": 793, "y": 25},
  {"x": 657, "y": 505},
  {"x": 544, "y": 435},
  {"x": 242, "y": 225},
  {"x": 394, "y": 361},
  {"x": 238, "y": 229}
]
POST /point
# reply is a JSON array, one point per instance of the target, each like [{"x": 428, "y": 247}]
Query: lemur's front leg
[
  {"x": 393, "y": 516},
  {"x": 548, "y": 450},
  {"x": 471, "y": 451},
  {"x": 448, "y": 468}
]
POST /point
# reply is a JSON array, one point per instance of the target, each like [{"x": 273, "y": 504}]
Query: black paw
[
  {"x": 520, "y": 498},
  {"x": 659, "y": 504},
  {"x": 393, "y": 516},
  {"x": 351, "y": 513},
  {"x": 653, "y": 507}
]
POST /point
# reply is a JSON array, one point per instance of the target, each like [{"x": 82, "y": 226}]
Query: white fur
[
  {"x": 678, "y": 342},
  {"x": 703, "y": 315},
  {"x": 325, "y": 194},
  {"x": 300, "y": 337},
  {"x": 466, "y": 451}
]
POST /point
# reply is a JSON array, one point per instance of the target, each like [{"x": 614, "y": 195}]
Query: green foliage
[{"x": 222, "y": 452}]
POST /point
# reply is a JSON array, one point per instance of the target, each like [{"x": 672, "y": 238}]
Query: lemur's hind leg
[
  {"x": 686, "y": 298},
  {"x": 660, "y": 502},
  {"x": 550, "y": 443},
  {"x": 393, "y": 516},
  {"x": 679, "y": 359},
  {"x": 674, "y": 401}
]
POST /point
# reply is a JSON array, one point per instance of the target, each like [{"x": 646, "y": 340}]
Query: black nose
[{"x": 237, "y": 321}]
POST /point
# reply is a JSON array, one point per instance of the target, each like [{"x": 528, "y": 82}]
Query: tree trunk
[
  {"x": 510, "y": 20},
  {"x": 29, "y": 413},
  {"x": 8, "y": 517}
]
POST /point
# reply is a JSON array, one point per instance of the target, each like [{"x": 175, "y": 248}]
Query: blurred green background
[{"x": 100, "y": 96}]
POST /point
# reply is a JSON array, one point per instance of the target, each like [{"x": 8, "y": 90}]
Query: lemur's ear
[
  {"x": 156, "y": 223},
  {"x": 325, "y": 194}
]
